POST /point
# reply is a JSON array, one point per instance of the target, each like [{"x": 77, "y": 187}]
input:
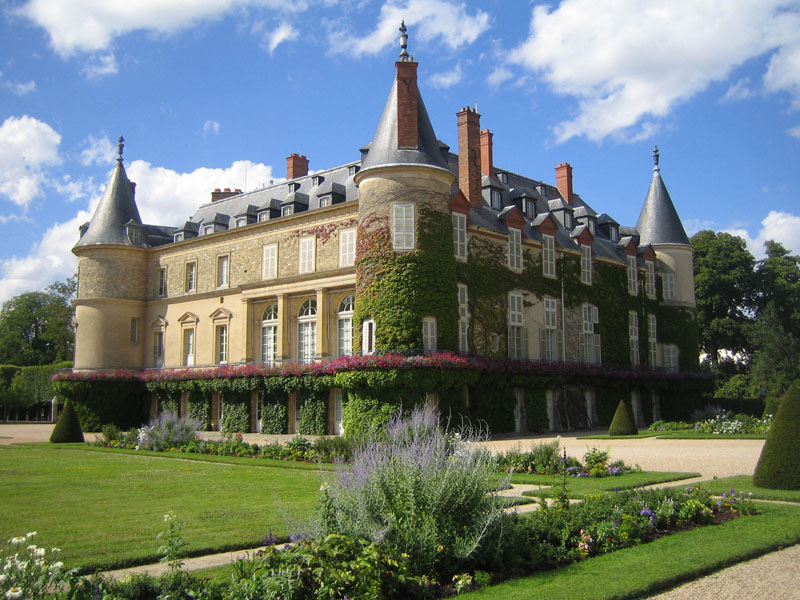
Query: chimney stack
[
  {"x": 219, "y": 194},
  {"x": 407, "y": 108},
  {"x": 470, "y": 156},
  {"x": 564, "y": 181},
  {"x": 487, "y": 161},
  {"x": 296, "y": 166}
]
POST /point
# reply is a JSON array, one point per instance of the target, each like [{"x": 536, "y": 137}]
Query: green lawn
[
  {"x": 644, "y": 570},
  {"x": 644, "y": 433},
  {"x": 579, "y": 487},
  {"x": 745, "y": 483},
  {"x": 104, "y": 509},
  {"x": 689, "y": 434}
]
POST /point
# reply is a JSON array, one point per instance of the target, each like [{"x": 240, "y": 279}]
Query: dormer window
[
  {"x": 352, "y": 170},
  {"x": 503, "y": 177},
  {"x": 496, "y": 199},
  {"x": 317, "y": 179},
  {"x": 529, "y": 208},
  {"x": 134, "y": 235},
  {"x": 208, "y": 229},
  {"x": 263, "y": 215},
  {"x": 179, "y": 236},
  {"x": 287, "y": 210},
  {"x": 613, "y": 233},
  {"x": 567, "y": 220},
  {"x": 241, "y": 221},
  {"x": 293, "y": 186},
  {"x": 325, "y": 201}
]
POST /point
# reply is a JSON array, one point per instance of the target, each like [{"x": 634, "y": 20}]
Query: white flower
[
  {"x": 3, "y": 577},
  {"x": 22, "y": 565},
  {"x": 31, "y": 534},
  {"x": 56, "y": 565},
  {"x": 56, "y": 550},
  {"x": 39, "y": 551},
  {"x": 18, "y": 540},
  {"x": 14, "y": 592},
  {"x": 31, "y": 548}
]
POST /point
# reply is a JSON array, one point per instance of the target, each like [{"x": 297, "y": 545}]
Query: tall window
[
  {"x": 650, "y": 279},
  {"x": 496, "y": 199},
  {"x": 460, "y": 236},
  {"x": 669, "y": 286},
  {"x": 269, "y": 264},
  {"x": 162, "y": 282},
  {"x": 344, "y": 328},
  {"x": 307, "y": 331},
  {"x": 429, "y": 334},
  {"x": 347, "y": 247},
  {"x": 529, "y": 207},
  {"x": 403, "y": 226},
  {"x": 191, "y": 277},
  {"x": 671, "y": 358},
  {"x": 134, "y": 330},
  {"x": 368, "y": 337},
  {"x": 633, "y": 283},
  {"x": 588, "y": 340},
  {"x": 586, "y": 264},
  {"x": 516, "y": 325},
  {"x": 223, "y": 270},
  {"x": 188, "y": 347},
  {"x": 307, "y": 245},
  {"x": 287, "y": 210},
  {"x": 269, "y": 335},
  {"x": 548, "y": 255},
  {"x": 221, "y": 335},
  {"x": 652, "y": 341},
  {"x": 515, "y": 249},
  {"x": 549, "y": 338},
  {"x": 463, "y": 318},
  {"x": 158, "y": 348},
  {"x": 633, "y": 336}
]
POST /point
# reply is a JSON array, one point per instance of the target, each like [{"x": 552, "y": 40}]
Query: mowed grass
[
  {"x": 744, "y": 483},
  {"x": 104, "y": 509},
  {"x": 641, "y": 571},
  {"x": 580, "y": 487}
]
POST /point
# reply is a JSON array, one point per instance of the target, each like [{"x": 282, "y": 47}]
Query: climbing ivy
[
  {"x": 235, "y": 412},
  {"x": 313, "y": 413}
]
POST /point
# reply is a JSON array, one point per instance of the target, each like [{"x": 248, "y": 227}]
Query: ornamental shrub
[
  {"x": 623, "y": 422},
  {"x": 770, "y": 407},
  {"x": 68, "y": 429},
  {"x": 779, "y": 464},
  {"x": 416, "y": 490},
  {"x": 167, "y": 430}
]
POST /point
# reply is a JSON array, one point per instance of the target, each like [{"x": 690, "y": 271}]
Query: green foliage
[
  {"x": 492, "y": 402},
  {"x": 313, "y": 415},
  {"x": 235, "y": 412},
  {"x": 167, "y": 430},
  {"x": 173, "y": 549},
  {"x": 97, "y": 403},
  {"x": 364, "y": 415},
  {"x": 68, "y": 428},
  {"x": 623, "y": 422},
  {"x": 36, "y": 327},
  {"x": 34, "y": 385},
  {"x": 536, "y": 410},
  {"x": 776, "y": 361},
  {"x": 7, "y": 373},
  {"x": 771, "y": 406},
  {"x": 779, "y": 464},
  {"x": 169, "y": 399},
  {"x": 198, "y": 406},
  {"x": 275, "y": 415}
]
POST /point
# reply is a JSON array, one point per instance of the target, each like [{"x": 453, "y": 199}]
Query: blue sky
[{"x": 216, "y": 93}]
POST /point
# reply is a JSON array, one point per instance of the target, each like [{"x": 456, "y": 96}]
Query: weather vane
[
  {"x": 120, "y": 146},
  {"x": 655, "y": 155},
  {"x": 403, "y": 41}
]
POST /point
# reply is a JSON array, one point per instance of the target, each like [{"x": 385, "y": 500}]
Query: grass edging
[
  {"x": 660, "y": 565},
  {"x": 718, "y": 485},
  {"x": 579, "y": 487}
]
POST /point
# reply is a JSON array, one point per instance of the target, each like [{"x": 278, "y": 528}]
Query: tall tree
[
  {"x": 36, "y": 327},
  {"x": 724, "y": 279},
  {"x": 778, "y": 285}
]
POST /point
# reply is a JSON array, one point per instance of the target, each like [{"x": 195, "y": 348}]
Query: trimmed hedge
[
  {"x": 123, "y": 403},
  {"x": 68, "y": 429},
  {"x": 623, "y": 422},
  {"x": 771, "y": 406},
  {"x": 779, "y": 464}
]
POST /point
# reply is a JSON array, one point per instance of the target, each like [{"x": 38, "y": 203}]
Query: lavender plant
[
  {"x": 167, "y": 430},
  {"x": 418, "y": 490}
]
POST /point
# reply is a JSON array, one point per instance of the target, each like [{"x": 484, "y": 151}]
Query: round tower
[
  {"x": 406, "y": 291},
  {"x": 110, "y": 305}
]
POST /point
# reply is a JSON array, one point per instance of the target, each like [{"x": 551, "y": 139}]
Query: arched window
[
  {"x": 269, "y": 334},
  {"x": 345, "y": 325},
  {"x": 307, "y": 331}
]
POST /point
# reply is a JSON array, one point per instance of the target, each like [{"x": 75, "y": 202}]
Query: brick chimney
[
  {"x": 296, "y": 166},
  {"x": 469, "y": 155},
  {"x": 564, "y": 181},
  {"x": 487, "y": 161},
  {"x": 219, "y": 194},
  {"x": 407, "y": 109}
]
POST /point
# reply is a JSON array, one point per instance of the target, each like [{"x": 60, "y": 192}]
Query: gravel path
[{"x": 773, "y": 576}]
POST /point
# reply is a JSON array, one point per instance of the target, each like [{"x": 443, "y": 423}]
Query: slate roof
[{"x": 659, "y": 222}]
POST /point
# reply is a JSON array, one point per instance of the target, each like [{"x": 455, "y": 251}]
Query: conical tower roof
[
  {"x": 659, "y": 222},
  {"x": 405, "y": 134},
  {"x": 117, "y": 208}
]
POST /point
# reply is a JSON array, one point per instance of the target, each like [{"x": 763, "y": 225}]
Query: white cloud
[
  {"x": 97, "y": 151},
  {"x": 91, "y": 25},
  {"x": 429, "y": 20},
  {"x": 499, "y": 76},
  {"x": 794, "y": 132},
  {"x": 101, "y": 66},
  {"x": 447, "y": 79},
  {"x": 740, "y": 90},
  {"x": 631, "y": 63},
  {"x": 283, "y": 33},
  {"x": 210, "y": 128},
  {"x": 28, "y": 147},
  {"x": 779, "y": 226},
  {"x": 20, "y": 89}
]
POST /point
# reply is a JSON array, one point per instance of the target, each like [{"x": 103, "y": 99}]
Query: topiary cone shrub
[
  {"x": 68, "y": 429},
  {"x": 779, "y": 464},
  {"x": 623, "y": 422}
]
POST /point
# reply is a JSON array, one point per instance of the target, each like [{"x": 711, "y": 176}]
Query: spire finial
[
  {"x": 120, "y": 146},
  {"x": 655, "y": 157},
  {"x": 403, "y": 41}
]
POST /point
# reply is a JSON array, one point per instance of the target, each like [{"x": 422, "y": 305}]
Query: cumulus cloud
[
  {"x": 447, "y": 79},
  {"x": 210, "y": 128},
  {"x": 97, "y": 151},
  {"x": 28, "y": 148},
  {"x": 630, "y": 63},
  {"x": 91, "y": 25},
  {"x": 740, "y": 90},
  {"x": 101, "y": 66},
  {"x": 499, "y": 76},
  {"x": 283, "y": 33},
  {"x": 440, "y": 20},
  {"x": 20, "y": 89},
  {"x": 779, "y": 226}
]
